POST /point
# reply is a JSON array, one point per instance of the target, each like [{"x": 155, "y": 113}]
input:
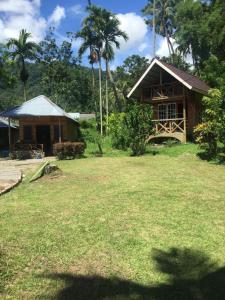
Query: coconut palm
[
  {"x": 22, "y": 50},
  {"x": 161, "y": 14},
  {"x": 110, "y": 34}
]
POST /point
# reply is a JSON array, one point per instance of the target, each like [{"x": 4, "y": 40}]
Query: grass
[{"x": 115, "y": 227}]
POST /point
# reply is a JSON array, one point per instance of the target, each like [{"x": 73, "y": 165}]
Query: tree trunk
[
  {"x": 171, "y": 45},
  {"x": 100, "y": 93},
  {"x": 106, "y": 96},
  {"x": 168, "y": 44},
  {"x": 154, "y": 35},
  {"x": 118, "y": 102},
  {"x": 24, "y": 91},
  {"x": 93, "y": 93}
]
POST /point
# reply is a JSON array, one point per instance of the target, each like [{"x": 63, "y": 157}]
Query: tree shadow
[
  {"x": 218, "y": 159},
  {"x": 191, "y": 276}
]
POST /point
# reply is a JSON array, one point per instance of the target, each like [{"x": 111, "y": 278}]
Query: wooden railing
[{"x": 170, "y": 126}]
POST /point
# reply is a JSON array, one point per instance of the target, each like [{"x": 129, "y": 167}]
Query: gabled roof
[
  {"x": 40, "y": 106},
  {"x": 4, "y": 123},
  {"x": 190, "y": 81}
]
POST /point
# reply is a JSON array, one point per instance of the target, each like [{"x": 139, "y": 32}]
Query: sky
[{"x": 36, "y": 16}]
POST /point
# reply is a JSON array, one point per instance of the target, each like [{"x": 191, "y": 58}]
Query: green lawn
[{"x": 150, "y": 227}]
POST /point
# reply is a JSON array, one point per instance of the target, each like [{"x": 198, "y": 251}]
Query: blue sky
[{"x": 66, "y": 15}]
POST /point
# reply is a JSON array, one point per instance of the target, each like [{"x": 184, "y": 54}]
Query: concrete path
[
  {"x": 11, "y": 171},
  {"x": 9, "y": 177}
]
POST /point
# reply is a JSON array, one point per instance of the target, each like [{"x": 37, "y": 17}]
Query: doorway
[{"x": 43, "y": 136}]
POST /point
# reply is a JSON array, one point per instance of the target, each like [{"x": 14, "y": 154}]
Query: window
[
  {"x": 167, "y": 111},
  {"x": 162, "y": 111},
  {"x": 171, "y": 108},
  {"x": 27, "y": 133}
]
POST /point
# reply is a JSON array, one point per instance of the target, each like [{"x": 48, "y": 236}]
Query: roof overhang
[{"x": 157, "y": 62}]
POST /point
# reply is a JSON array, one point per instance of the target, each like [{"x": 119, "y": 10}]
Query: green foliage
[
  {"x": 214, "y": 72},
  {"x": 178, "y": 61},
  {"x": 62, "y": 79},
  {"x": 69, "y": 150},
  {"x": 22, "y": 50},
  {"x": 118, "y": 131},
  {"x": 139, "y": 126},
  {"x": 212, "y": 129}
]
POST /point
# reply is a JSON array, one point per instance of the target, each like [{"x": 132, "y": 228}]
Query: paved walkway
[
  {"x": 11, "y": 171},
  {"x": 10, "y": 176}
]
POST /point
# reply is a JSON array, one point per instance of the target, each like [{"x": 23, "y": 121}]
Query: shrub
[
  {"x": 212, "y": 129},
  {"x": 69, "y": 150},
  {"x": 84, "y": 124},
  {"x": 139, "y": 126},
  {"x": 117, "y": 131}
]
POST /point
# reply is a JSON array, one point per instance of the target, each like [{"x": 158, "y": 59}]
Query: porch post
[
  {"x": 9, "y": 131},
  {"x": 60, "y": 134},
  {"x": 184, "y": 117}
]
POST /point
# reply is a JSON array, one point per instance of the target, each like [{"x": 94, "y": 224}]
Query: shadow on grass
[
  {"x": 191, "y": 276},
  {"x": 218, "y": 159}
]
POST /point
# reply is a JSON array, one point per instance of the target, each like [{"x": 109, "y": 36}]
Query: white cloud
[
  {"x": 163, "y": 48},
  {"x": 57, "y": 15},
  {"x": 18, "y": 6},
  {"x": 142, "y": 47},
  {"x": 136, "y": 30},
  {"x": 25, "y": 14},
  {"x": 77, "y": 9}
]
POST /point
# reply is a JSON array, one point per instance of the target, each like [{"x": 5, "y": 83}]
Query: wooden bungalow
[
  {"x": 4, "y": 138},
  {"x": 43, "y": 123},
  {"x": 175, "y": 97}
]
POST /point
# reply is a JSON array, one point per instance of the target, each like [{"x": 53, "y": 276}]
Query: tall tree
[
  {"x": 160, "y": 15},
  {"x": 92, "y": 40},
  {"x": 100, "y": 32},
  {"x": 88, "y": 44},
  {"x": 110, "y": 34},
  {"x": 192, "y": 31},
  {"x": 21, "y": 50}
]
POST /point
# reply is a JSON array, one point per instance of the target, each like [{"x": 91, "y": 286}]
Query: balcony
[
  {"x": 170, "y": 128},
  {"x": 162, "y": 92}
]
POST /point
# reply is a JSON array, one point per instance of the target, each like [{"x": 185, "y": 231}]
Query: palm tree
[
  {"x": 22, "y": 50},
  {"x": 161, "y": 13},
  {"x": 88, "y": 44},
  {"x": 99, "y": 33},
  {"x": 92, "y": 41},
  {"x": 111, "y": 33}
]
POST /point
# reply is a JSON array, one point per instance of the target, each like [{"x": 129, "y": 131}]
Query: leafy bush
[
  {"x": 139, "y": 126},
  {"x": 117, "y": 131},
  {"x": 69, "y": 150},
  {"x": 212, "y": 129},
  {"x": 84, "y": 124}
]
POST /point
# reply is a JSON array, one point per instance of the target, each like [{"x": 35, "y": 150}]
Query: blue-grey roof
[
  {"x": 4, "y": 123},
  {"x": 40, "y": 106},
  {"x": 81, "y": 117}
]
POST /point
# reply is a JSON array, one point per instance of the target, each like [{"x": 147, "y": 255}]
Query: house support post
[
  {"x": 9, "y": 131},
  {"x": 184, "y": 117},
  {"x": 160, "y": 74},
  {"x": 60, "y": 134}
]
